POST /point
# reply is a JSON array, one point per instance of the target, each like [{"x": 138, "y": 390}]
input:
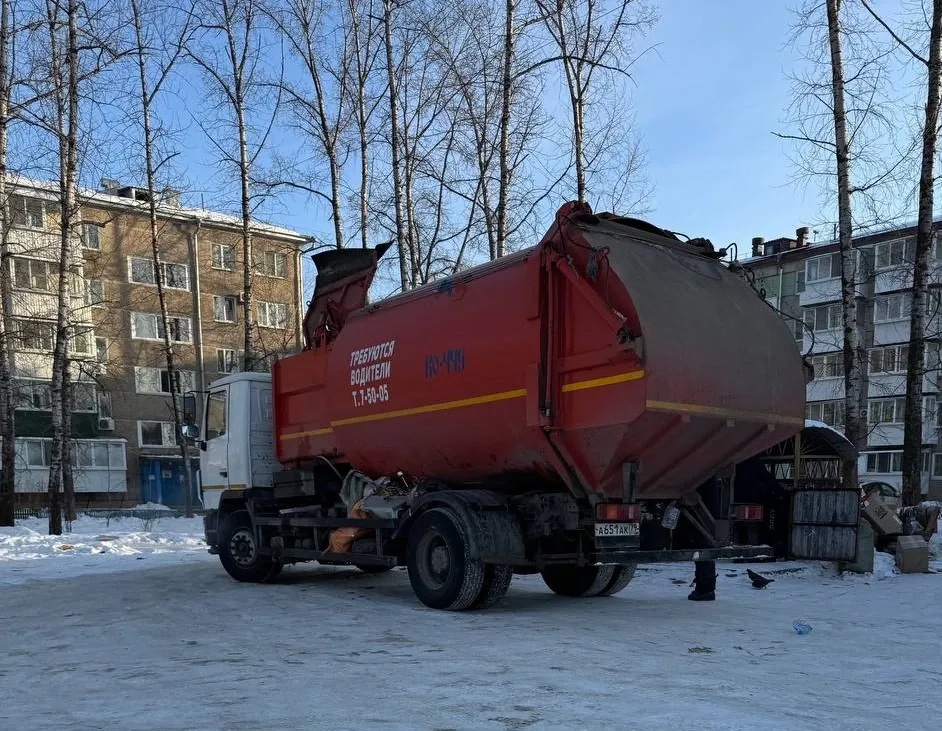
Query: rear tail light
[
  {"x": 630, "y": 512},
  {"x": 750, "y": 512}
]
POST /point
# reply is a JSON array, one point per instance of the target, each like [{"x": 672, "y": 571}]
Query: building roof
[
  {"x": 865, "y": 237},
  {"x": 185, "y": 213}
]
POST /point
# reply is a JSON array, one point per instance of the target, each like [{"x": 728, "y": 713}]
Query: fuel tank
[{"x": 611, "y": 358}]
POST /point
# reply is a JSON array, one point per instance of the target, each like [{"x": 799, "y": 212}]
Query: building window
[
  {"x": 42, "y": 276},
  {"x": 36, "y": 335},
  {"x": 271, "y": 263},
  {"x": 891, "y": 307},
  {"x": 830, "y": 412},
  {"x": 90, "y": 235},
  {"x": 888, "y": 463},
  {"x": 148, "y": 326},
  {"x": 101, "y": 350},
  {"x": 823, "y": 267},
  {"x": 37, "y": 396},
  {"x": 174, "y": 276},
  {"x": 224, "y": 308},
  {"x": 227, "y": 361},
  {"x": 824, "y": 317},
  {"x": 156, "y": 434},
  {"x": 105, "y": 410},
  {"x": 98, "y": 454},
  {"x": 273, "y": 314},
  {"x": 891, "y": 359},
  {"x": 96, "y": 292},
  {"x": 27, "y": 212},
  {"x": 223, "y": 257},
  {"x": 893, "y": 253},
  {"x": 886, "y": 411},
  {"x": 828, "y": 365},
  {"x": 157, "y": 380},
  {"x": 937, "y": 464},
  {"x": 81, "y": 343}
]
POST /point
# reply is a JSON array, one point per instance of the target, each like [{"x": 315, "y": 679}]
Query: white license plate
[{"x": 617, "y": 530}]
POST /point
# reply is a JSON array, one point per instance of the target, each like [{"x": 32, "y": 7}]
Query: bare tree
[
  {"x": 153, "y": 70},
  {"x": 319, "y": 111},
  {"x": 403, "y": 237},
  {"x": 227, "y": 46},
  {"x": 916, "y": 366},
  {"x": 592, "y": 38},
  {"x": 7, "y": 412}
]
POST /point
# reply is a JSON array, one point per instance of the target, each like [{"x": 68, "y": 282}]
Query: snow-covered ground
[
  {"x": 96, "y": 545},
  {"x": 137, "y": 645}
]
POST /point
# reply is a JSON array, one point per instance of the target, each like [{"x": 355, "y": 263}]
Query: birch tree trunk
[
  {"x": 401, "y": 235},
  {"x": 855, "y": 429},
  {"x": 147, "y": 94},
  {"x": 68, "y": 478},
  {"x": 504, "y": 152},
  {"x": 912, "y": 425},
  {"x": 7, "y": 394},
  {"x": 361, "y": 65}
]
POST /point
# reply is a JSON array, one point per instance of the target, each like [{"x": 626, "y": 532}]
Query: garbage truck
[{"x": 553, "y": 411}]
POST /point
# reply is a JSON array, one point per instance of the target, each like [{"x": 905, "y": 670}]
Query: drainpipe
[
  {"x": 299, "y": 295},
  {"x": 197, "y": 309}
]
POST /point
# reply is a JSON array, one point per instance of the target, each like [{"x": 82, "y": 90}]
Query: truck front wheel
[
  {"x": 238, "y": 550},
  {"x": 584, "y": 581},
  {"x": 442, "y": 572}
]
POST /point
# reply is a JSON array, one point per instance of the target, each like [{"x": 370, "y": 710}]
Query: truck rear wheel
[
  {"x": 497, "y": 580},
  {"x": 581, "y": 581},
  {"x": 621, "y": 577},
  {"x": 238, "y": 550},
  {"x": 442, "y": 572}
]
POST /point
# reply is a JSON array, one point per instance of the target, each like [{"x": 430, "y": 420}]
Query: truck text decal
[
  {"x": 450, "y": 361},
  {"x": 370, "y": 368}
]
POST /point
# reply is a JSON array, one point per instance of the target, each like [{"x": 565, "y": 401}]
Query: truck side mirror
[
  {"x": 189, "y": 412},
  {"x": 191, "y": 432}
]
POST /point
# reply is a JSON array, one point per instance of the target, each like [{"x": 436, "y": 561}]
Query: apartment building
[
  {"x": 803, "y": 281},
  {"x": 126, "y": 449}
]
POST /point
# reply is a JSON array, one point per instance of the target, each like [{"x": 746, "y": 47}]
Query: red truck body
[{"x": 610, "y": 343}]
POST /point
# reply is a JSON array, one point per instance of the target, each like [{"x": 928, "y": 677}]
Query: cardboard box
[
  {"x": 912, "y": 554},
  {"x": 882, "y": 518}
]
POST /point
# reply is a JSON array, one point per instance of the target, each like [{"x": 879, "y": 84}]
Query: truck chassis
[{"x": 461, "y": 546}]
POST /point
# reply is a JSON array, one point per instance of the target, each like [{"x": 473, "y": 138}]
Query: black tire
[
  {"x": 238, "y": 551},
  {"x": 497, "y": 580},
  {"x": 621, "y": 577},
  {"x": 578, "y": 581},
  {"x": 441, "y": 570}
]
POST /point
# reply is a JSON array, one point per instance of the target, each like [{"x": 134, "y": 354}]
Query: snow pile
[
  {"x": 151, "y": 506},
  {"x": 884, "y": 565},
  {"x": 96, "y": 544}
]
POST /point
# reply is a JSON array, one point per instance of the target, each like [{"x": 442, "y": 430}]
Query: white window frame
[
  {"x": 186, "y": 380},
  {"x": 834, "y": 406},
  {"x": 221, "y": 358},
  {"x": 266, "y": 263},
  {"x": 225, "y": 299},
  {"x": 829, "y": 365},
  {"x": 832, "y": 312},
  {"x": 158, "y": 326},
  {"x": 895, "y": 253},
  {"x": 268, "y": 307},
  {"x": 27, "y": 221},
  {"x": 50, "y": 326},
  {"x": 166, "y": 432},
  {"x": 900, "y": 356},
  {"x": 99, "y": 342},
  {"x": 815, "y": 263},
  {"x": 905, "y": 306},
  {"x": 163, "y": 273},
  {"x": 99, "y": 284},
  {"x": 84, "y": 230},
  {"x": 51, "y": 274},
  {"x": 222, "y": 250}
]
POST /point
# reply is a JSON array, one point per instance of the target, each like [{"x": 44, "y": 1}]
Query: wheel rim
[
  {"x": 242, "y": 547},
  {"x": 434, "y": 560}
]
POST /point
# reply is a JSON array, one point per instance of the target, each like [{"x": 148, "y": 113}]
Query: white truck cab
[{"x": 235, "y": 434}]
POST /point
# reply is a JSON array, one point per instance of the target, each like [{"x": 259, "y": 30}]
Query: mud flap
[{"x": 492, "y": 529}]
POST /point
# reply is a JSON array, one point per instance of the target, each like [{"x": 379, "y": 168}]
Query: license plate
[{"x": 617, "y": 530}]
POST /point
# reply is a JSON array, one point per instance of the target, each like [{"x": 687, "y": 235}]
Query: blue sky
[{"x": 708, "y": 101}]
